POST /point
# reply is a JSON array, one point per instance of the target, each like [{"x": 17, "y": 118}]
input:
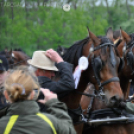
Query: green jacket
[{"x": 28, "y": 122}]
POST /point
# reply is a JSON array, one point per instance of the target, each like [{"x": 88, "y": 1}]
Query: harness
[
  {"x": 97, "y": 66},
  {"x": 14, "y": 118}
]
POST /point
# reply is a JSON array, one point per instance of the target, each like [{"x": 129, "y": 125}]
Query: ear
[
  {"x": 125, "y": 36},
  {"x": 96, "y": 41},
  {"x": 110, "y": 33},
  {"x": 37, "y": 72}
]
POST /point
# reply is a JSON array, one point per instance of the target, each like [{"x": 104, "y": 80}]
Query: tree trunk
[
  {"x": 45, "y": 2},
  {"x": 109, "y": 14},
  {"x": 1, "y": 7},
  {"x": 38, "y": 3},
  {"x": 93, "y": 9},
  {"x": 26, "y": 9},
  {"x": 12, "y": 9},
  {"x": 26, "y": 6},
  {"x": 128, "y": 10}
]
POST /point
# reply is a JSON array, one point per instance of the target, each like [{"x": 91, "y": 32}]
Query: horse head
[
  {"x": 125, "y": 50},
  {"x": 61, "y": 50},
  {"x": 103, "y": 68}
]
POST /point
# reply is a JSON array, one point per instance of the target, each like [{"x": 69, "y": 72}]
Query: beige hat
[{"x": 40, "y": 60}]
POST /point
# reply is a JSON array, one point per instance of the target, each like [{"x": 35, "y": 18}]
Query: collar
[
  {"x": 43, "y": 79},
  {"x": 23, "y": 108}
]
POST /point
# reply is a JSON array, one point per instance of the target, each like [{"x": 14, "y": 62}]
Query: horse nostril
[{"x": 114, "y": 99}]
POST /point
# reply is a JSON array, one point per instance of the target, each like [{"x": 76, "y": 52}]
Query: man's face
[
  {"x": 3, "y": 75},
  {"x": 48, "y": 73}
]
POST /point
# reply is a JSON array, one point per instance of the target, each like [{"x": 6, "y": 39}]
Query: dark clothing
[
  {"x": 29, "y": 122},
  {"x": 61, "y": 87},
  {"x": 3, "y": 63},
  {"x": 3, "y": 102},
  {"x": 131, "y": 88}
]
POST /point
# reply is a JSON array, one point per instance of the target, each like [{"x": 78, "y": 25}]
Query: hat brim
[{"x": 53, "y": 68}]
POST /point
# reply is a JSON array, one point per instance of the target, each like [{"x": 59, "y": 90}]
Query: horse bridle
[{"x": 113, "y": 79}]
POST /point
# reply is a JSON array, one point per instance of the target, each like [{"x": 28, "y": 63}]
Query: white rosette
[{"x": 83, "y": 63}]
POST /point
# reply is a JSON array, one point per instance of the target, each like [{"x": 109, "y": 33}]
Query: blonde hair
[{"x": 19, "y": 84}]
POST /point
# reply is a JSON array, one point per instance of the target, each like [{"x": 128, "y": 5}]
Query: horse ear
[
  {"x": 96, "y": 41},
  {"x": 125, "y": 36},
  {"x": 110, "y": 33}
]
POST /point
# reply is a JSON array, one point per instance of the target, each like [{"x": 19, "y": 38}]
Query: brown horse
[
  {"x": 15, "y": 58},
  {"x": 102, "y": 58},
  {"x": 126, "y": 53},
  {"x": 90, "y": 105}
]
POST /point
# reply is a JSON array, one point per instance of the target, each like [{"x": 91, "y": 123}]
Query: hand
[
  {"x": 48, "y": 95},
  {"x": 54, "y": 56}
]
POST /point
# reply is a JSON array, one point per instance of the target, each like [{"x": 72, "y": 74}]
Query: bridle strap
[
  {"x": 114, "y": 79},
  {"x": 96, "y": 76},
  {"x": 86, "y": 94},
  {"x": 130, "y": 44},
  {"x": 100, "y": 46}
]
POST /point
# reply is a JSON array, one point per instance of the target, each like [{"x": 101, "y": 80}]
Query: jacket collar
[
  {"x": 43, "y": 79},
  {"x": 23, "y": 108}
]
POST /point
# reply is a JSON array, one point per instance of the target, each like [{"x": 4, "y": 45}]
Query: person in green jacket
[{"x": 23, "y": 115}]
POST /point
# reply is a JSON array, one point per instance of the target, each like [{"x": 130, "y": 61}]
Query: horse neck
[
  {"x": 73, "y": 99},
  {"x": 125, "y": 85}
]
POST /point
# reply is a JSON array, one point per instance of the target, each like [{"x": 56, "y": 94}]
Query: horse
[
  {"x": 15, "y": 58},
  {"x": 125, "y": 50},
  {"x": 102, "y": 59},
  {"x": 93, "y": 109},
  {"x": 61, "y": 50}
]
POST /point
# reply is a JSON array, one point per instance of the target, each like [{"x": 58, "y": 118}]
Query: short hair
[
  {"x": 32, "y": 68},
  {"x": 19, "y": 84},
  {"x": 116, "y": 34}
]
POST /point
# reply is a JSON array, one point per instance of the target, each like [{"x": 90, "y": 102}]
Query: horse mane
[
  {"x": 75, "y": 51},
  {"x": 19, "y": 49}
]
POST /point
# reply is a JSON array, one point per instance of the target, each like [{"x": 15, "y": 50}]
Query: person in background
[
  {"x": 44, "y": 64},
  {"x": 23, "y": 115}
]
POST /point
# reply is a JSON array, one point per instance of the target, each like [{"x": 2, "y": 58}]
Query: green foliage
[
  {"x": 43, "y": 27},
  {"x": 127, "y": 26}
]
